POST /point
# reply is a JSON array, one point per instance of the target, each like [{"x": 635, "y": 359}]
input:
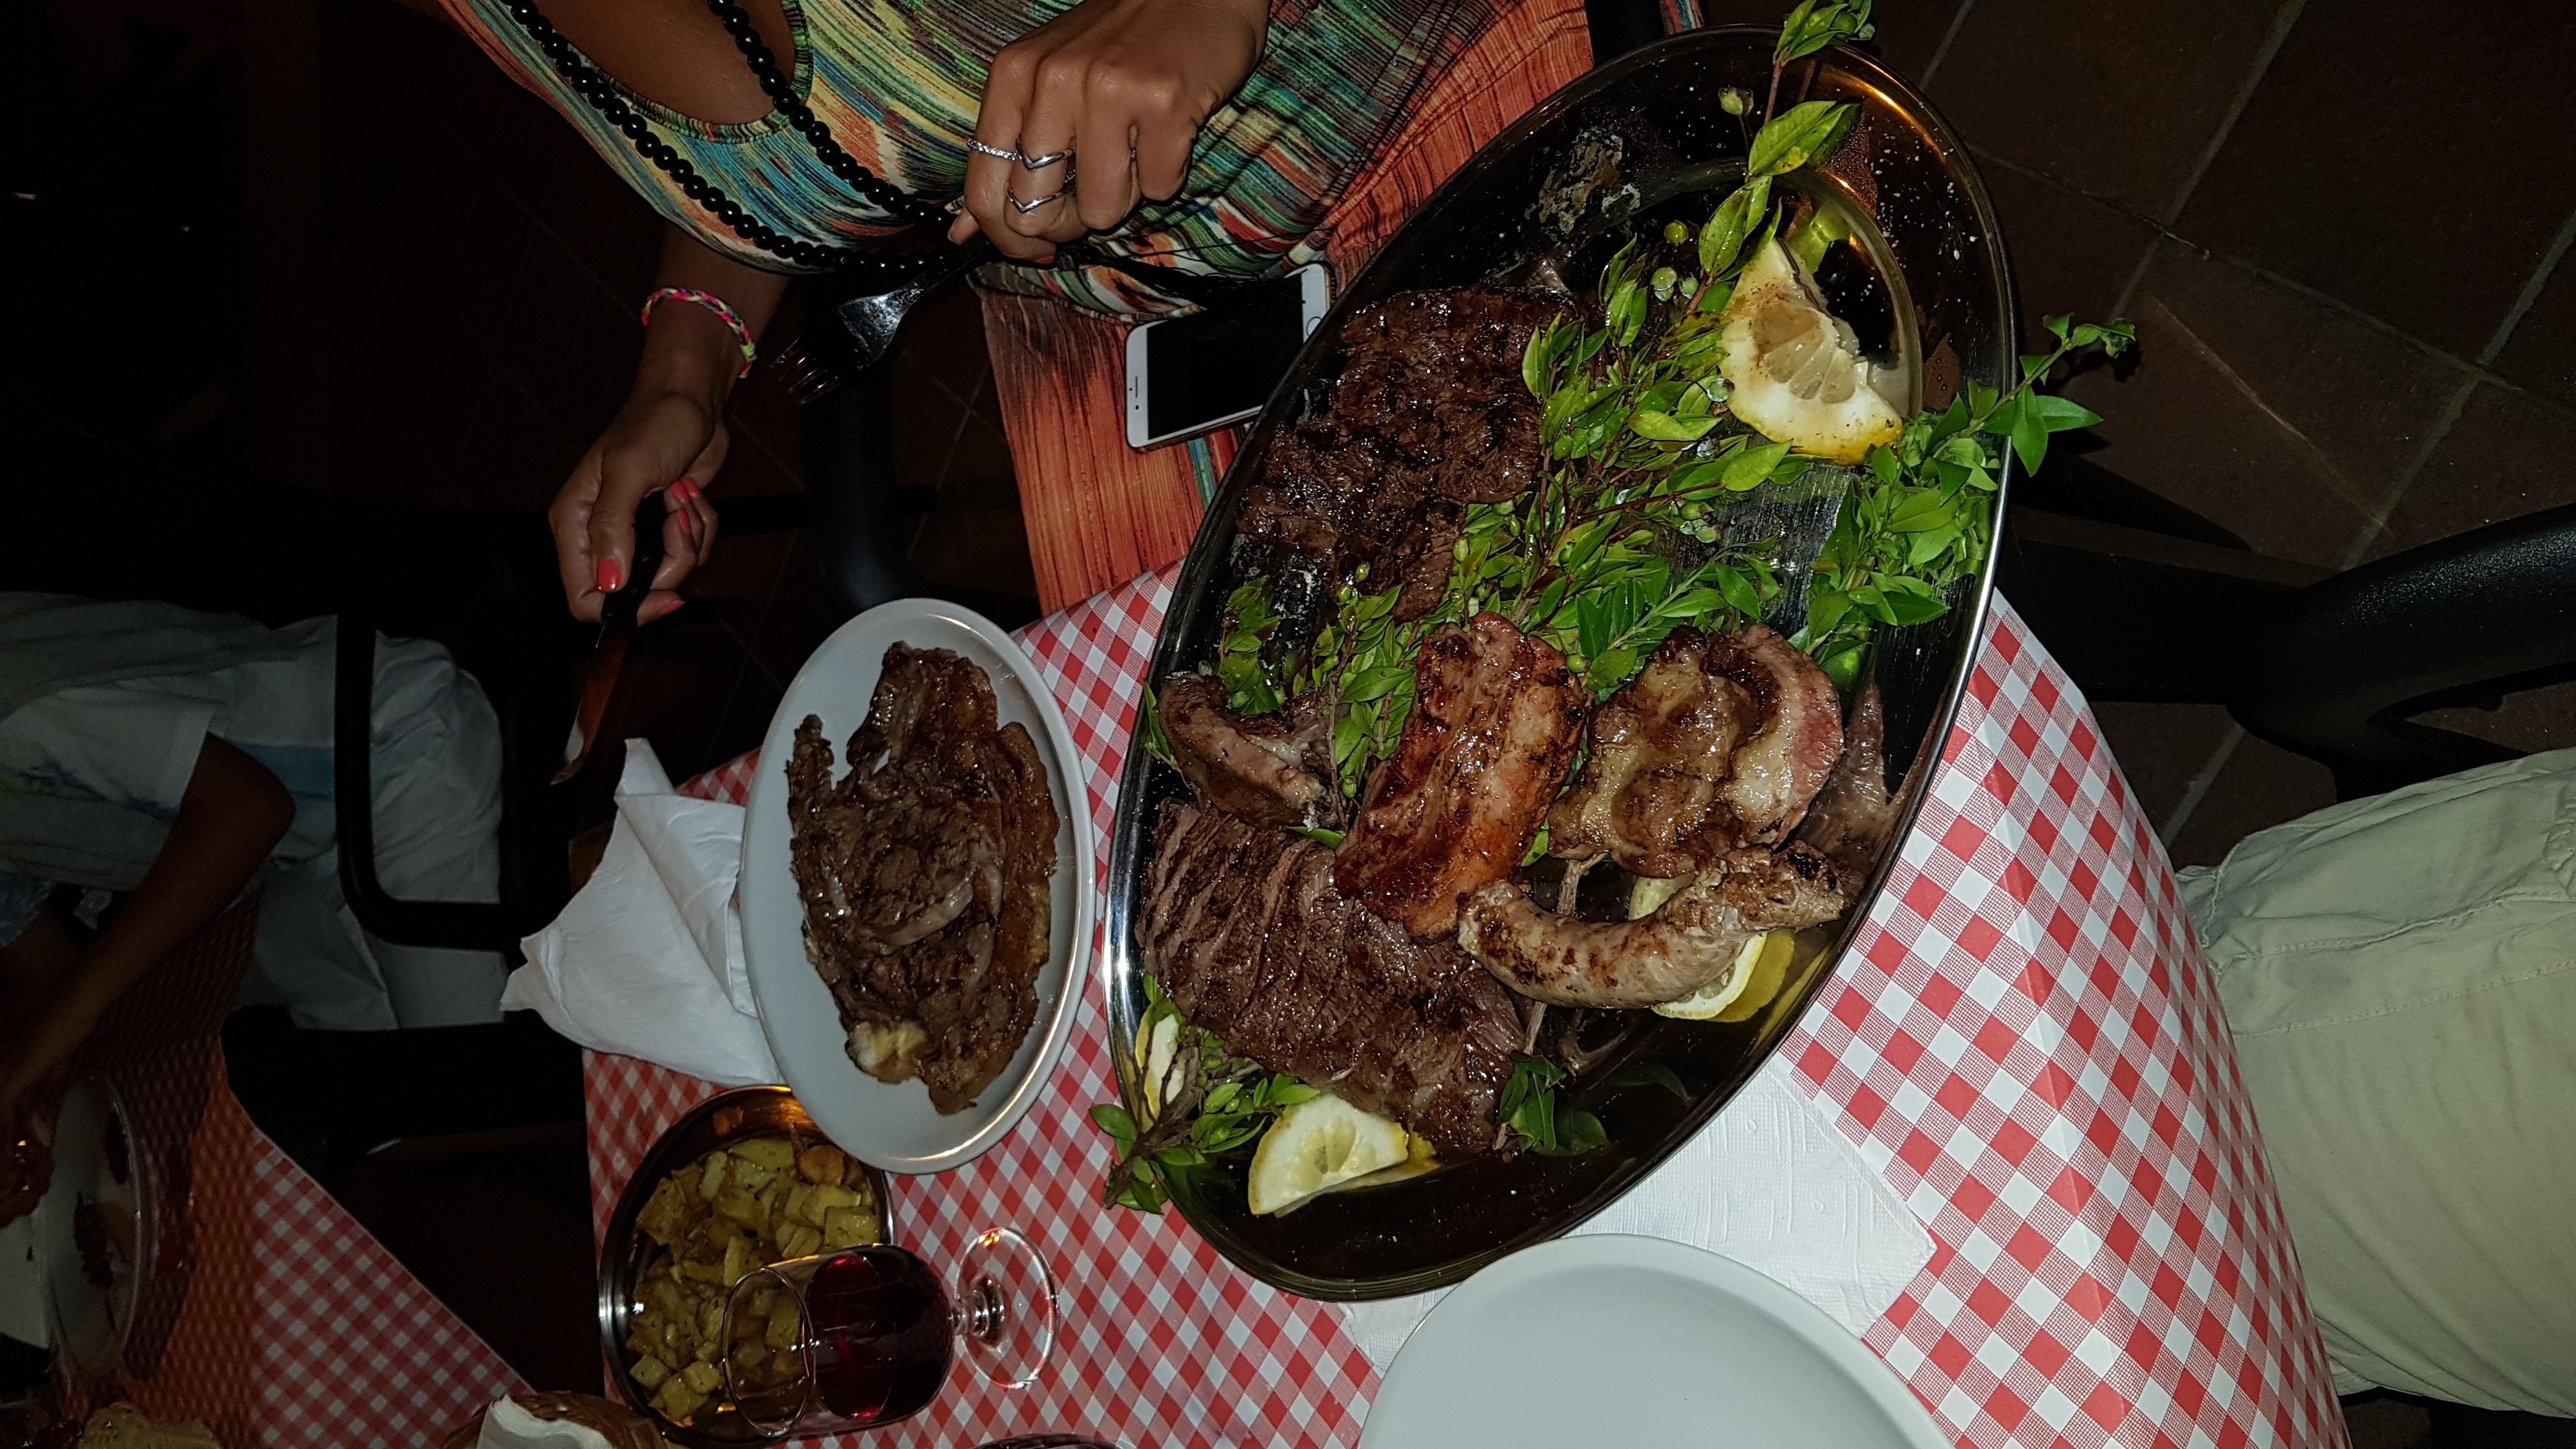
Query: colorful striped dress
[{"x": 899, "y": 81}]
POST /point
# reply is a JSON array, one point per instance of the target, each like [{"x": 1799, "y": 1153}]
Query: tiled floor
[{"x": 2340, "y": 229}]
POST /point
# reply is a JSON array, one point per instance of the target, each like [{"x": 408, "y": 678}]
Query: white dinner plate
[
  {"x": 893, "y": 1126},
  {"x": 1613, "y": 1340},
  {"x": 90, "y": 1322}
]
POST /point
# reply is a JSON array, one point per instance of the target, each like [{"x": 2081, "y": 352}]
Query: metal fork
[{"x": 848, "y": 333}]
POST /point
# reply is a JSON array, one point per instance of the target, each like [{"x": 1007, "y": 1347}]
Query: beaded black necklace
[{"x": 595, "y": 87}]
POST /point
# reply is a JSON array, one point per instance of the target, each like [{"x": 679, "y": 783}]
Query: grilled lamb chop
[
  {"x": 1496, "y": 717},
  {"x": 1243, "y": 928},
  {"x": 1683, "y": 946},
  {"x": 1717, "y": 744},
  {"x": 1269, "y": 769}
]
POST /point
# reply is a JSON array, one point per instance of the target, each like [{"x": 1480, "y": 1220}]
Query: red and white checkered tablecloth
[
  {"x": 2024, "y": 1040},
  {"x": 270, "y": 1313}
]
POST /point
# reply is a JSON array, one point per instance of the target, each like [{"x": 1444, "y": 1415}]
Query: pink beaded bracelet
[{"x": 712, "y": 303}]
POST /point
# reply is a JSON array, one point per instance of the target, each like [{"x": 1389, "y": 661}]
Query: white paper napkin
[
  {"x": 1769, "y": 1182},
  {"x": 646, "y": 959},
  {"x": 508, "y": 1425}
]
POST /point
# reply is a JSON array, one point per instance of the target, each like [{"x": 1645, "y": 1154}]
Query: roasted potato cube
[
  {"x": 678, "y": 1401},
  {"x": 797, "y": 1240},
  {"x": 823, "y": 1163},
  {"x": 776, "y": 1154},
  {"x": 706, "y": 1378},
  {"x": 712, "y": 1181},
  {"x": 662, "y": 1296},
  {"x": 800, "y": 1206},
  {"x": 737, "y": 1261},
  {"x": 784, "y": 1324},
  {"x": 698, "y": 1272},
  {"x": 849, "y": 1227},
  {"x": 743, "y": 1208},
  {"x": 665, "y": 1217},
  {"x": 749, "y": 1176},
  {"x": 650, "y": 1372},
  {"x": 828, "y": 1198}
]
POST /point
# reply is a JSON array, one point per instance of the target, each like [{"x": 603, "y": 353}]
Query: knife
[{"x": 616, "y": 628}]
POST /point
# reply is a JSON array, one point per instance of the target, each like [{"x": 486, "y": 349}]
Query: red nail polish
[
  {"x": 610, "y": 577},
  {"x": 687, "y": 488}
]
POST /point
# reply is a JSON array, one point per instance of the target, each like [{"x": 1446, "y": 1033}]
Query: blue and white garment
[{"x": 132, "y": 744}]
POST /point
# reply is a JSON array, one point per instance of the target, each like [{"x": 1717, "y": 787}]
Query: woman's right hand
[{"x": 666, "y": 439}]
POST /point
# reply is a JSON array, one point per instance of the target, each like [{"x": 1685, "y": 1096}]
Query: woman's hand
[
  {"x": 1124, "y": 85},
  {"x": 665, "y": 439},
  {"x": 670, "y": 435}
]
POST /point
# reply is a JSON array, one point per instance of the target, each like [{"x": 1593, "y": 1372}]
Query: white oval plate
[
  {"x": 893, "y": 1126},
  {"x": 1637, "y": 1341},
  {"x": 89, "y": 1323}
]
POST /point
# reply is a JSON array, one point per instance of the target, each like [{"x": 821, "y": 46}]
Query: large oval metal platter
[{"x": 1672, "y": 153}]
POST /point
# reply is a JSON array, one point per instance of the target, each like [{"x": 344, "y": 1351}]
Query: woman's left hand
[{"x": 1121, "y": 85}]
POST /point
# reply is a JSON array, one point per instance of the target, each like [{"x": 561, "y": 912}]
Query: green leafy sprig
[
  {"x": 1251, "y": 686},
  {"x": 1528, "y": 1108},
  {"x": 1215, "y": 1105},
  {"x": 1922, "y": 515},
  {"x": 1812, "y": 26}
]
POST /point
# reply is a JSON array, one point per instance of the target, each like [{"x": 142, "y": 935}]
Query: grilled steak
[
  {"x": 1429, "y": 413},
  {"x": 1496, "y": 717},
  {"x": 1243, "y": 928},
  {"x": 1269, "y": 768},
  {"x": 924, "y": 875},
  {"x": 1718, "y": 744}
]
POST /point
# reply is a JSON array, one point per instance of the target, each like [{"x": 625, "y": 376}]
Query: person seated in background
[
  {"x": 2399, "y": 973},
  {"x": 177, "y": 759}
]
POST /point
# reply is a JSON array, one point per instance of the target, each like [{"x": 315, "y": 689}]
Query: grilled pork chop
[
  {"x": 1249, "y": 938},
  {"x": 1496, "y": 717},
  {"x": 1718, "y": 744}
]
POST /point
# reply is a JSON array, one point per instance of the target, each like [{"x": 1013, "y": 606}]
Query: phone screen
[{"x": 1223, "y": 362}]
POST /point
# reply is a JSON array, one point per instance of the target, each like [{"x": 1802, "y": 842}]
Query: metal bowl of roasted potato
[{"x": 743, "y": 1181}]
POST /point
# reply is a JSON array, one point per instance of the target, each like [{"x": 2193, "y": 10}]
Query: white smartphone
[{"x": 1190, "y": 374}]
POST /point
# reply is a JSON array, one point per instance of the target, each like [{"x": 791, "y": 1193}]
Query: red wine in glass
[
  {"x": 880, "y": 1344},
  {"x": 864, "y": 1336}
]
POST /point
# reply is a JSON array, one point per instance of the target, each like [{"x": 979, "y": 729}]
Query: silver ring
[
  {"x": 1040, "y": 163},
  {"x": 996, "y": 152},
  {"x": 1025, "y": 207}
]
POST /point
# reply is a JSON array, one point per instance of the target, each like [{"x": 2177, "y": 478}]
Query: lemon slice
[
  {"x": 1750, "y": 982},
  {"x": 1154, "y": 1071},
  {"x": 1796, "y": 369},
  {"x": 1320, "y": 1143}
]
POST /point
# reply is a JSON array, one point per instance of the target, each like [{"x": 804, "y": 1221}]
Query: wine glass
[{"x": 864, "y": 1336}]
